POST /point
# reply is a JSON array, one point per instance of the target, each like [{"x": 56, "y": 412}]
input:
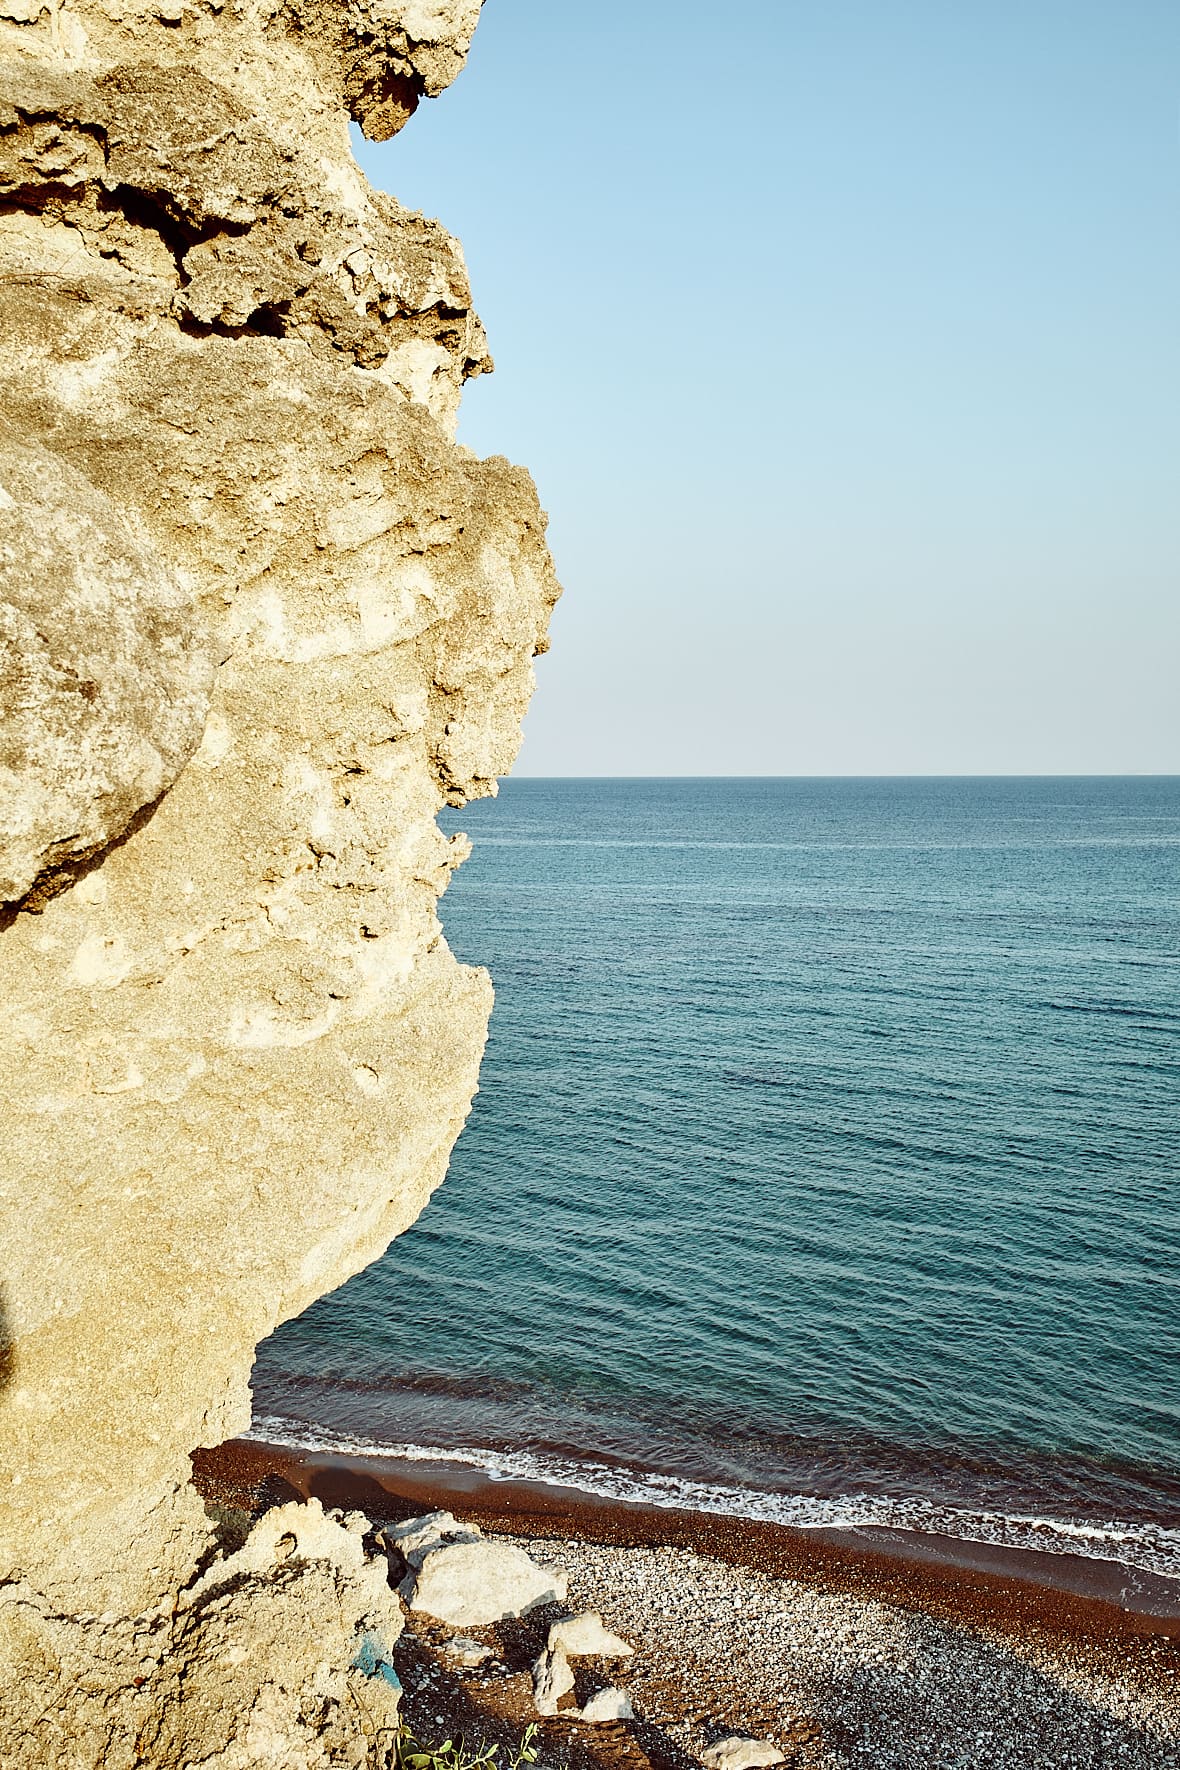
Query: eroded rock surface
[
  {"x": 104, "y": 687},
  {"x": 236, "y": 1050}
]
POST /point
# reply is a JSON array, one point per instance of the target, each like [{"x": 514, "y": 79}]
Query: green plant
[
  {"x": 526, "y": 1751},
  {"x": 456, "y": 1754}
]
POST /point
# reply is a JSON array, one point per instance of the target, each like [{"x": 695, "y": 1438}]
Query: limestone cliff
[{"x": 260, "y": 617}]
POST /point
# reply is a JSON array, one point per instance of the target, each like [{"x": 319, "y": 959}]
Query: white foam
[{"x": 1150, "y": 1549}]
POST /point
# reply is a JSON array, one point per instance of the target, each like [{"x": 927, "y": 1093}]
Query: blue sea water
[{"x": 825, "y": 1164}]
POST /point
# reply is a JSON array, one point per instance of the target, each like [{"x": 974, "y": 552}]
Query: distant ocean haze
[{"x": 824, "y": 1165}]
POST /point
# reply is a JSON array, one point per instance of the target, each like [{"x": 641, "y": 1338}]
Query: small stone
[
  {"x": 610, "y": 1704},
  {"x": 584, "y": 1634},
  {"x": 552, "y": 1679},
  {"x": 467, "y": 1652},
  {"x": 737, "y": 1753}
]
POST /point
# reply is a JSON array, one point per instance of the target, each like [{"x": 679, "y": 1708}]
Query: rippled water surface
[{"x": 826, "y": 1158}]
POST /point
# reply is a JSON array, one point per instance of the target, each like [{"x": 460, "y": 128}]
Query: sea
[{"x": 825, "y": 1166}]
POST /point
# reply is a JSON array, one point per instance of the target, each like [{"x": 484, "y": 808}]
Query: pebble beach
[{"x": 840, "y": 1658}]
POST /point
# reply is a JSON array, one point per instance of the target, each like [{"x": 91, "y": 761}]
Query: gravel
[{"x": 835, "y": 1681}]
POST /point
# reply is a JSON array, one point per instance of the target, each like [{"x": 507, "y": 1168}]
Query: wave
[
  {"x": 805, "y": 846},
  {"x": 1147, "y": 1548}
]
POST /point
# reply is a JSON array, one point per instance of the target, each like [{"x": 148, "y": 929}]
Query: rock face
[
  {"x": 259, "y": 618},
  {"x": 227, "y": 1672},
  {"x": 103, "y": 687}
]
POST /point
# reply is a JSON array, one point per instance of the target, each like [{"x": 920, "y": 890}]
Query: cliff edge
[{"x": 260, "y": 617}]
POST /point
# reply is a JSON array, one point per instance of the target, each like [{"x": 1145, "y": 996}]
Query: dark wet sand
[{"x": 1011, "y": 1591}]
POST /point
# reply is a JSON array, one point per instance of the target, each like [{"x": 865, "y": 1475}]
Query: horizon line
[{"x": 1162, "y": 774}]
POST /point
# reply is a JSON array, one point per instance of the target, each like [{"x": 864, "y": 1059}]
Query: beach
[{"x": 842, "y": 1648}]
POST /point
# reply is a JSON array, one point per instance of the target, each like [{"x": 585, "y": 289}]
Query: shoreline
[{"x": 957, "y": 1580}]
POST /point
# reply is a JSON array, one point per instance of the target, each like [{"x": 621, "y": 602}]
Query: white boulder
[{"x": 469, "y": 1582}]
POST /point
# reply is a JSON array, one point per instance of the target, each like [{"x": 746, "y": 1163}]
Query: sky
[{"x": 841, "y": 340}]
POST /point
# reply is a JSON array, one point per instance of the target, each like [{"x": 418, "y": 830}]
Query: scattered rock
[
  {"x": 736, "y": 1753},
  {"x": 612, "y": 1704},
  {"x": 584, "y": 1635},
  {"x": 552, "y": 1679},
  {"x": 470, "y": 1582}
]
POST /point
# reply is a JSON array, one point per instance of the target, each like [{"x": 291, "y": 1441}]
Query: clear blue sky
[{"x": 842, "y": 342}]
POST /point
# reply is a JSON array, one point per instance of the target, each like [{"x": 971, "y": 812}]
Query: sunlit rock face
[
  {"x": 259, "y": 618},
  {"x": 104, "y": 685}
]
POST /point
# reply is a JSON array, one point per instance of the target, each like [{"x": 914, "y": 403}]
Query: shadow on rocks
[
  {"x": 494, "y": 1703},
  {"x": 7, "y": 1345}
]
